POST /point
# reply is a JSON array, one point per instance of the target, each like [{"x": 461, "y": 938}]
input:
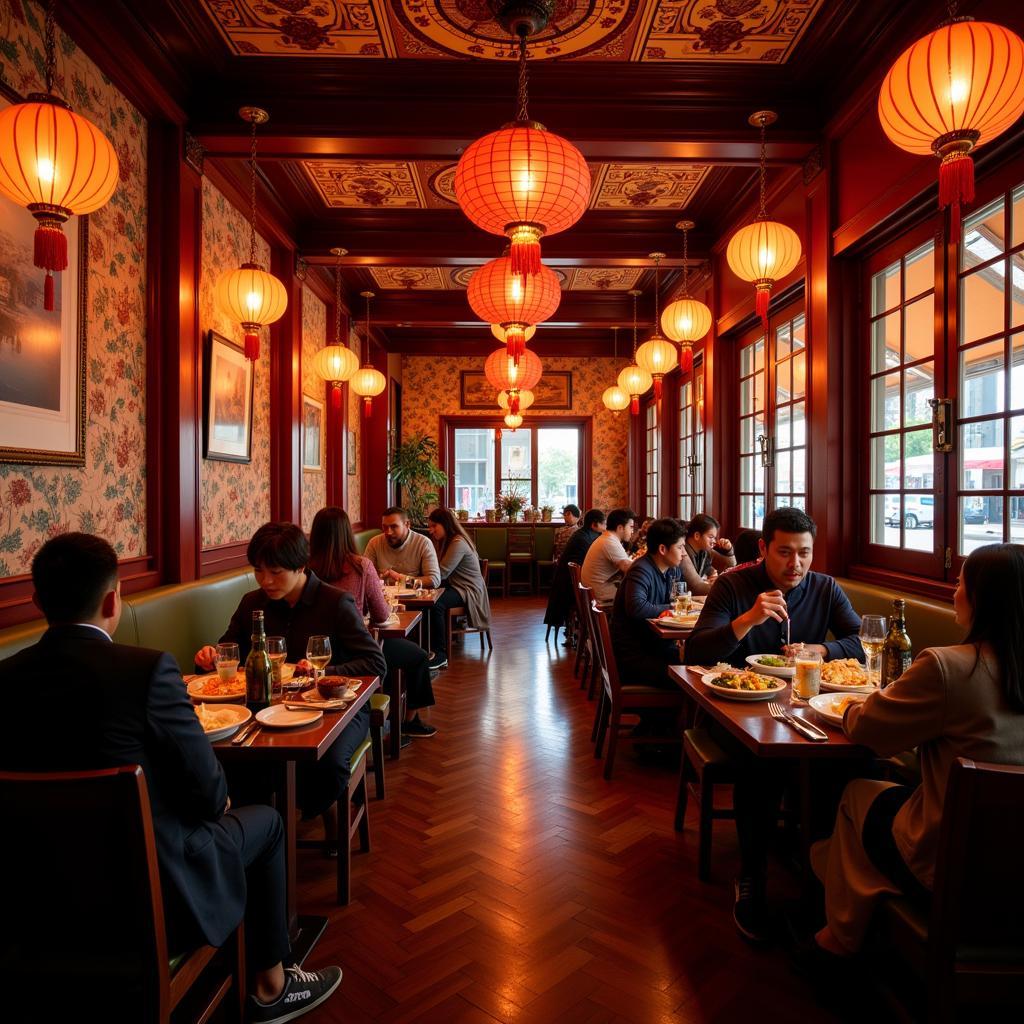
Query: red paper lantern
[
  {"x": 499, "y": 295},
  {"x": 524, "y": 182},
  {"x": 504, "y": 374}
]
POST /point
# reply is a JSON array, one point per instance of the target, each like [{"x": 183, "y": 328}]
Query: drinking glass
[
  {"x": 277, "y": 648},
  {"x": 318, "y": 653},
  {"x": 226, "y": 659},
  {"x": 807, "y": 680},
  {"x": 872, "y": 638},
  {"x": 680, "y": 597}
]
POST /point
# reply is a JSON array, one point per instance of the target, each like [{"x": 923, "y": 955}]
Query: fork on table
[{"x": 811, "y": 732}]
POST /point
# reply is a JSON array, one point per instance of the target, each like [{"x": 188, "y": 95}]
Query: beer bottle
[
  {"x": 259, "y": 672},
  {"x": 896, "y": 651}
]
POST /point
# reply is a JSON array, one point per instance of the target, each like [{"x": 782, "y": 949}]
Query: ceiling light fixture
[
  {"x": 951, "y": 92},
  {"x": 523, "y": 181},
  {"x": 249, "y": 294},
  {"x": 504, "y": 374},
  {"x": 367, "y": 381},
  {"x": 55, "y": 163},
  {"x": 656, "y": 355},
  {"x": 686, "y": 320},
  {"x": 634, "y": 380},
  {"x": 336, "y": 363},
  {"x": 614, "y": 398},
  {"x": 506, "y": 399},
  {"x": 765, "y": 251}
]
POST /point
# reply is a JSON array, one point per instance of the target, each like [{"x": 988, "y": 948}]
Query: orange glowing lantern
[
  {"x": 686, "y": 320},
  {"x": 504, "y": 374},
  {"x": 367, "y": 381},
  {"x": 656, "y": 355},
  {"x": 516, "y": 401},
  {"x": 336, "y": 363},
  {"x": 952, "y": 91}
]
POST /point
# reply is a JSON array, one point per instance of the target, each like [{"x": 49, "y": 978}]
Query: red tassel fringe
[
  {"x": 657, "y": 389},
  {"x": 48, "y": 292},
  {"x": 525, "y": 257},
  {"x": 761, "y": 305},
  {"x": 50, "y": 250},
  {"x": 956, "y": 186},
  {"x": 335, "y": 396},
  {"x": 634, "y": 405},
  {"x": 686, "y": 359},
  {"x": 252, "y": 346},
  {"x": 513, "y": 405},
  {"x": 367, "y": 406}
]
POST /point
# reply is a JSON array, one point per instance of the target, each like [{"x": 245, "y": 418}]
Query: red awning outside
[{"x": 983, "y": 464}]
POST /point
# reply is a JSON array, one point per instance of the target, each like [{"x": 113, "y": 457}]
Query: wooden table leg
[{"x": 395, "y": 690}]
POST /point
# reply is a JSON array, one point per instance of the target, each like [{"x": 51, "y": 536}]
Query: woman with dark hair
[
  {"x": 461, "y": 578},
  {"x": 333, "y": 558},
  {"x": 961, "y": 701},
  {"x": 707, "y": 554}
]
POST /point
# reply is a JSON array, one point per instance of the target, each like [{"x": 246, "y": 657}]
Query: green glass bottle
[
  {"x": 259, "y": 671},
  {"x": 896, "y": 651}
]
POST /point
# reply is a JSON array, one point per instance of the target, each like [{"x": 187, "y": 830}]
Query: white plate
[
  {"x": 729, "y": 694},
  {"x": 196, "y": 686},
  {"x": 279, "y": 717},
  {"x": 782, "y": 671},
  {"x": 671, "y": 622},
  {"x": 865, "y": 687},
  {"x": 825, "y": 703},
  {"x": 313, "y": 697},
  {"x": 239, "y": 716}
]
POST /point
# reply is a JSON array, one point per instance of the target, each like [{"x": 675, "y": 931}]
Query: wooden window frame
[{"x": 691, "y": 480}]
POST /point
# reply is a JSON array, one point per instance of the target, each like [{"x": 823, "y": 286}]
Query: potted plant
[
  {"x": 511, "y": 502},
  {"x": 462, "y": 514},
  {"x": 490, "y": 515},
  {"x": 546, "y": 513},
  {"x": 413, "y": 466}
]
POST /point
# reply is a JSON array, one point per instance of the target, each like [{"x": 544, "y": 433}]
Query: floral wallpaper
[
  {"x": 354, "y": 415},
  {"x": 314, "y": 337},
  {"x": 107, "y": 495},
  {"x": 234, "y": 496},
  {"x": 430, "y": 389}
]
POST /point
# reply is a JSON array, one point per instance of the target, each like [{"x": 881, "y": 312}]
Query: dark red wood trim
[
  {"x": 375, "y": 435},
  {"x": 669, "y": 443},
  {"x": 223, "y": 557},
  {"x": 337, "y": 442},
  {"x": 637, "y": 454},
  {"x": 286, "y": 395}
]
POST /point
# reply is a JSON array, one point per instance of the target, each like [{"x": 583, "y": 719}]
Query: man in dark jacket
[
  {"x": 298, "y": 605},
  {"x": 561, "y": 601},
  {"x": 119, "y": 705}
]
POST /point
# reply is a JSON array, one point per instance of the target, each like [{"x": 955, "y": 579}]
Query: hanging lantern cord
[
  {"x": 686, "y": 263},
  {"x": 657, "y": 293},
  {"x": 764, "y": 158},
  {"x": 522, "y": 96},
  {"x": 337, "y": 303},
  {"x": 634, "y": 293},
  {"x": 252, "y": 195},
  {"x": 366, "y": 340},
  {"x": 51, "y": 46}
]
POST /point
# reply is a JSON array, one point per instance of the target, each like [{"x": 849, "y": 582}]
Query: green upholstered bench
[
  {"x": 492, "y": 544},
  {"x": 929, "y": 623},
  {"x": 363, "y": 537},
  {"x": 543, "y": 549}
]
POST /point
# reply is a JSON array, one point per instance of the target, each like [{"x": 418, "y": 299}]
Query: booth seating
[
  {"x": 929, "y": 623},
  {"x": 363, "y": 537},
  {"x": 492, "y": 545},
  {"x": 543, "y": 550}
]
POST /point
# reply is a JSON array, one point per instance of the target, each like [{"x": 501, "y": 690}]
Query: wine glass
[
  {"x": 872, "y": 638},
  {"x": 226, "y": 660},
  {"x": 318, "y": 653},
  {"x": 277, "y": 648}
]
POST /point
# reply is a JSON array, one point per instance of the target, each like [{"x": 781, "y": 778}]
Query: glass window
[
  {"x": 691, "y": 442},
  {"x": 517, "y": 462},
  {"x": 558, "y": 453},
  {"x": 789, "y": 486},
  {"x": 652, "y": 464},
  {"x": 752, "y": 433},
  {"x": 474, "y": 470}
]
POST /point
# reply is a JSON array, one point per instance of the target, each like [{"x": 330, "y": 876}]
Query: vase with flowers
[{"x": 511, "y": 502}]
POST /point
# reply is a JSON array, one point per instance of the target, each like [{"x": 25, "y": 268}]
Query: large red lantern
[
  {"x": 499, "y": 295},
  {"x": 506, "y": 374}
]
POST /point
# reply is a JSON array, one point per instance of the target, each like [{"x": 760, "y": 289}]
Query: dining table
[
  {"x": 750, "y": 722},
  {"x": 422, "y": 601},
  {"x": 282, "y": 750},
  {"x": 398, "y": 627}
]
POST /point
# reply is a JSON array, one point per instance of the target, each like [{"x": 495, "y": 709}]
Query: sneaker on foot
[
  {"x": 302, "y": 991},
  {"x": 418, "y": 728},
  {"x": 748, "y": 909},
  {"x": 438, "y": 660},
  {"x": 406, "y": 740}
]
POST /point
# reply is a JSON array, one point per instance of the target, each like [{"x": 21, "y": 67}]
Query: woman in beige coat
[{"x": 960, "y": 701}]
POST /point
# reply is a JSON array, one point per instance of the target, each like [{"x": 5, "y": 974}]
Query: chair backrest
[
  {"x": 544, "y": 543},
  {"x": 83, "y": 911},
  {"x": 363, "y": 537},
  {"x": 575, "y": 573},
  {"x": 520, "y": 541},
  {"x": 485, "y": 569},
  {"x": 584, "y": 596},
  {"x": 609, "y": 668},
  {"x": 978, "y": 901},
  {"x": 491, "y": 542}
]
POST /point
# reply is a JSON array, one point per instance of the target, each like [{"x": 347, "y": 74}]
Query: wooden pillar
[
  {"x": 286, "y": 394},
  {"x": 173, "y": 369}
]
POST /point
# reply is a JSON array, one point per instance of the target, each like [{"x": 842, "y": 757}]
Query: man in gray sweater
[{"x": 400, "y": 553}]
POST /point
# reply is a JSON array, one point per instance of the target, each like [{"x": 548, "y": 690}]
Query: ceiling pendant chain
[
  {"x": 634, "y": 293},
  {"x": 764, "y": 169},
  {"x": 51, "y": 47},
  {"x": 523, "y": 93},
  {"x": 686, "y": 263},
  {"x": 252, "y": 195}
]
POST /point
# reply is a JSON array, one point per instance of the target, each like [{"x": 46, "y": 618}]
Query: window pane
[
  {"x": 800, "y": 470},
  {"x": 782, "y": 381},
  {"x": 981, "y": 455},
  {"x": 799, "y": 427},
  {"x": 919, "y": 521},
  {"x": 885, "y": 402},
  {"x": 918, "y": 459},
  {"x": 799, "y": 330},
  {"x": 799, "y": 375},
  {"x": 982, "y": 301},
  {"x": 783, "y": 466},
  {"x": 747, "y": 395},
  {"x": 747, "y": 435},
  {"x": 885, "y": 462},
  {"x": 980, "y": 522},
  {"x": 885, "y": 289},
  {"x": 1018, "y": 216},
  {"x": 558, "y": 451},
  {"x": 747, "y": 472},
  {"x": 919, "y": 273},
  {"x": 1017, "y": 372},
  {"x": 759, "y": 354},
  {"x": 981, "y": 379},
  {"x": 1017, "y": 454},
  {"x": 885, "y": 345},
  {"x": 516, "y": 465},
  {"x": 474, "y": 471},
  {"x": 983, "y": 233},
  {"x": 783, "y": 341},
  {"x": 884, "y": 512},
  {"x": 1017, "y": 289},
  {"x": 919, "y": 329},
  {"x": 782, "y": 435},
  {"x": 918, "y": 388}
]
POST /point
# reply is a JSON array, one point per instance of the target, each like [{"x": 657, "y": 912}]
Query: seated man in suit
[
  {"x": 296, "y": 604},
  {"x": 122, "y": 705}
]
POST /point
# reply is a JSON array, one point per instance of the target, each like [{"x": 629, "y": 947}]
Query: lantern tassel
[
  {"x": 48, "y": 292},
  {"x": 335, "y": 396},
  {"x": 50, "y": 249},
  {"x": 252, "y": 346},
  {"x": 525, "y": 252},
  {"x": 657, "y": 389},
  {"x": 367, "y": 406},
  {"x": 956, "y": 186},
  {"x": 513, "y": 405},
  {"x": 634, "y": 405},
  {"x": 686, "y": 359},
  {"x": 761, "y": 304}
]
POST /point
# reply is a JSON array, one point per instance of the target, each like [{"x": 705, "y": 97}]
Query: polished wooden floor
[{"x": 508, "y": 881}]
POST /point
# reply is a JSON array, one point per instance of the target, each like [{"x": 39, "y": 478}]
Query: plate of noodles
[{"x": 221, "y": 722}]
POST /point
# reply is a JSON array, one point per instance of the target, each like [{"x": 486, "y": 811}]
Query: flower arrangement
[
  {"x": 546, "y": 512},
  {"x": 511, "y": 501}
]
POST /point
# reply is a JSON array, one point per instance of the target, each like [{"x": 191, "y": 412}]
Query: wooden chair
[
  {"x": 574, "y": 628},
  {"x": 380, "y": 708},
  {"x": 520, "y": 555},
  {"x": 543, "y": 552},
  {"x": 967, "y": 952},
  {"x": 84, "y": 921},
  {"x": 454, "y": 613},
  {"x": 704, "y": 766},
  {"x": 587, "y": 644},
  {"x": 616, "y": 700}
]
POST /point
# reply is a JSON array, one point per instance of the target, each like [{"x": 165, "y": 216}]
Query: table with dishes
[
  {"x": 398, "y": 627},
  {"x": 417, "y": 601},
  {"x": 677, "y": 623},
  {"x": 299, "y": 725}
]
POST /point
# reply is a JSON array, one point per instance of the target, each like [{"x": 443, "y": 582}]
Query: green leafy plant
[
  {"x": 413, "y": 466},
  {"x": 511, "y": 501}
]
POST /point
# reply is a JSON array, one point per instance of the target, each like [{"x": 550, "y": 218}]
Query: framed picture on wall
[
  {"x": 42, "y": 354},
  {"x": 227, "y": 401},
  {"x": 553, "y": 391},
  {"x": 352, "y": 462},
  {"x": 312, "y": 433}
]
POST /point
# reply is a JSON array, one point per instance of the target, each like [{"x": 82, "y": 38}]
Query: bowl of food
[
  {"x": 331, "y": 687},
  {"x": 735, "y": 684},
  {"x": 772, "y": 665}
]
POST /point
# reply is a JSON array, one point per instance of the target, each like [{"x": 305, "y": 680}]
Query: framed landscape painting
[
  {"x": 553, "y": 391},
  {"x": 42, "y": 354},
  {"x": 227, "y": 401},
  {"x": 312, "y": 433}
]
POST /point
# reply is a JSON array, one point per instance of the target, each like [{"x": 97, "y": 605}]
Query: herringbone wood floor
[{"x": 509, "y": 882}]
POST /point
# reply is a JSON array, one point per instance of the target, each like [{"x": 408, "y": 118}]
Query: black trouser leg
[
  {"x": 451, "y": 598},
  {"x": 411, "y": 660},
  {"x": 321, "y": 783},
  {"x": 258, "y": 833}
]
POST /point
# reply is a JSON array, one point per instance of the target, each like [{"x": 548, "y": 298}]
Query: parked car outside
[{"x": 918, "y": 511}]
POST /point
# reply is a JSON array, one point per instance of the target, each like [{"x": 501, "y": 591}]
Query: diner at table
[
  {"x": 571, "y": 515},
  {"x": 707, "y": 554},
  {"x": 561, "y": 600},
  {"x": 400, "y": 554},
  {"x": 606, "y": 560}
]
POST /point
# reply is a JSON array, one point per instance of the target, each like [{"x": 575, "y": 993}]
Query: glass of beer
[
  {"x": 277, "y": 648},
  {"x": 807, "y": 680},
  {"x": 227, "y": 661}
]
